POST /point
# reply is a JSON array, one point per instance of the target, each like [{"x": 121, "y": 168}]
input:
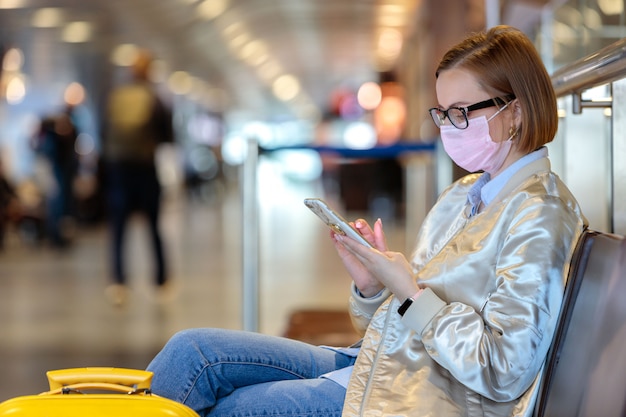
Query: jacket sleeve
[
  {"x": 362, "y": 309},
  {"x": 498, "y": 351}
]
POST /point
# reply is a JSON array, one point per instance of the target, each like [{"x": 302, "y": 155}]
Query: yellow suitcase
[{"x": 96, "y": 392}]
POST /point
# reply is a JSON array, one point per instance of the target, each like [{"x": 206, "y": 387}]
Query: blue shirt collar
[{"x": 485, "y": 189}]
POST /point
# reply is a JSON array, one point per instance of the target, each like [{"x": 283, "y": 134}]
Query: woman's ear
[{"x": 516, "y": 110}]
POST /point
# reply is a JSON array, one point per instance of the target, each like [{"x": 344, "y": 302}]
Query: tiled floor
[{"x": 53, "y": 313}]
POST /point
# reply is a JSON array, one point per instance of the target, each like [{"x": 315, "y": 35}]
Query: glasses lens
[
  {"x": 437, "y": 115},
  {"x": 457, "y": 118}
]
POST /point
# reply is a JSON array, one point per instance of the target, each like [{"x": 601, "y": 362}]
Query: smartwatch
[{"x": 405, "y": 306}]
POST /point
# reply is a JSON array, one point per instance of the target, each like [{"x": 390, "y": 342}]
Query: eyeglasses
[{"x": 458, "y": 115}]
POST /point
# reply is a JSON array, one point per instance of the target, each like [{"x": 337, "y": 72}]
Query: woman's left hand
[{"x": 390, "y": 268}]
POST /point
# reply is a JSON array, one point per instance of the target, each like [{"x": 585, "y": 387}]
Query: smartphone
[{"x": 336, "y": 223}]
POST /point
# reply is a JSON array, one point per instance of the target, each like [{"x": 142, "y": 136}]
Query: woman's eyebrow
[{"x": 455, "y": 104}]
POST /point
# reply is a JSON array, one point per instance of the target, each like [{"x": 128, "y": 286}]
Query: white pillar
[
  {"x": 250, "y": 230},
  {"x": 492, "y": 13}
]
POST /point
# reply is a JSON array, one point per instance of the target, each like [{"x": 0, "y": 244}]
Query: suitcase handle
[
  {"x": 116, "y": 379},
  {"x": 101, "y": 386}
]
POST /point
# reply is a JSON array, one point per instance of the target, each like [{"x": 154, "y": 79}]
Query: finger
[
  {"x": 355, "y": 248},
  {"x": 364, "y": 228},
  {"x": 339, "y": 246},
  {"x": 379, "y": 236},
  {"x": 366, "y": 231}
]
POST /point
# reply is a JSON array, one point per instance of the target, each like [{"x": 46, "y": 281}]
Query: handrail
[{"x": 601, "y": 67}]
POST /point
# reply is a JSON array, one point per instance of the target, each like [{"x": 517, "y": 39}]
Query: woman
[{"x": 464, "y": 327}]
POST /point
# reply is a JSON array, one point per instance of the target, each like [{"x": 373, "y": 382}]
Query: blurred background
[{"x": 272, "y": 101}]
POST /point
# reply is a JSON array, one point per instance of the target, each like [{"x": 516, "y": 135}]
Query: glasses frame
[{"x": 491, "y": 102}]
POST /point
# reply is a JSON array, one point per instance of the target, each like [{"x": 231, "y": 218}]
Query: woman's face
[{"x": 457, "y": 87}]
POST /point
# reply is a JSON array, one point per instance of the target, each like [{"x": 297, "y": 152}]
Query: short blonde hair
[{"x": 505, "y": 61}]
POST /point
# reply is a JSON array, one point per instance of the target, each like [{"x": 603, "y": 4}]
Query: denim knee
[{"x": 178, "y": 366}]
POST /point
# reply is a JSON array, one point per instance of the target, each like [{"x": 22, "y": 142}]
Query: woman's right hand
[{"x": 367, "y": 283}]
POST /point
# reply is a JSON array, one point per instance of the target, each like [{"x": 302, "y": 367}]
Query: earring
[{"x": 513, "y": 132}]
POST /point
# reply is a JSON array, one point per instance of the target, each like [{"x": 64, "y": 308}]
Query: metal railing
[
  {"x": 606, "y": 65},
  {"x": 602, "y": 67}
]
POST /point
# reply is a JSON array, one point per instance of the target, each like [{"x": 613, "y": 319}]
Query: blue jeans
[{"x": 231, "y": 373}]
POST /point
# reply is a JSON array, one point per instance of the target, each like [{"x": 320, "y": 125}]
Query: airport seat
[{"x": 586, "y": 366}]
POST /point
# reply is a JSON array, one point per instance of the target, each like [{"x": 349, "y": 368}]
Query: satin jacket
[{"x": 475, "y": 340}]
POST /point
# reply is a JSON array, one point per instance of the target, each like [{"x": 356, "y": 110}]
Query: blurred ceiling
[
  {"x": 264, "y": 56},
  {"x": 259, "y": 49}
]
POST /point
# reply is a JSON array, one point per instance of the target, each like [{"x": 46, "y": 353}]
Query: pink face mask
[{"x": 472, "y": 148}]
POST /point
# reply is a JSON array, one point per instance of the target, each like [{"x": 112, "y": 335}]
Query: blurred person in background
[
  {"x": 460, "y": 328},
  {"x": 56, "y": 142},
  {"x": 137, "y": 122}
]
